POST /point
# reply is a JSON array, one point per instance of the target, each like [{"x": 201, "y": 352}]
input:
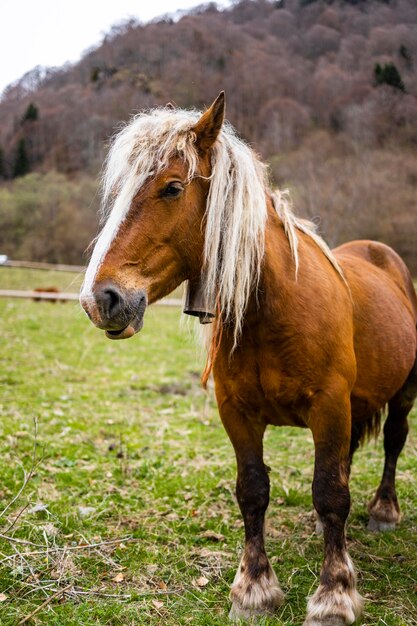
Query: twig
[
  {"x": 125, "y": 596},
  {"x": 101, "y": 594},
  {"x": 28, "y": 476},
  {"x": 35, "y": 588},
  {"x": 44, "y": 604},
  {"x": 59, "y": 549},
  {"x": 22, "y": 541},
  {"x": 26, "y": 479},
  {"x": 106, "y": 557},
  {"x": 62, "y": 563},
  {"x": 22, "y": 558},
  {"x": 22, "y": 510},
  {"x": 78, "y": 592}
]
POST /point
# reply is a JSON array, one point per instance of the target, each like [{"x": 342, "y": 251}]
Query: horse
[{"x": 300, "y": 335}]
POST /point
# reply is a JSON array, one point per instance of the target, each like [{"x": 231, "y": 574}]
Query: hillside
[{"x": 325, "y": 91}]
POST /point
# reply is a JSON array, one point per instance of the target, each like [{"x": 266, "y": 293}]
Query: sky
[{"x": 52, "y": 32}]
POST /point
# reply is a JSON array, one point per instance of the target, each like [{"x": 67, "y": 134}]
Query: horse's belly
[{"x": 385, "y": 344}]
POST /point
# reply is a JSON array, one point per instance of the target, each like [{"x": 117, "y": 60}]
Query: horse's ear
[{"x": 210, "y": 123}]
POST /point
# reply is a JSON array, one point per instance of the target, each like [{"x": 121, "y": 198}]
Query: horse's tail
[{"x": 372, "y": 427}]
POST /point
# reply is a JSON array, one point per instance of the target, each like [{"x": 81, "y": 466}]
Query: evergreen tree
[
  {"x": 21, "y": 165},
  {"x": 388, "y": 74},
  {"x": 405, "y": 54},
  {"x": 31, "y": 114},
  {"x": 95, "y": 74}
]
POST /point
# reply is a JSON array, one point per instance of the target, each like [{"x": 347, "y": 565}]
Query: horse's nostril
[
  {"x": 111, "y": 302},
  {"x": 113, "y": 307}
]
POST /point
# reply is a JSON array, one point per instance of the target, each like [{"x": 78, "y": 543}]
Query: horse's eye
[{"x": 172, "y": 190}]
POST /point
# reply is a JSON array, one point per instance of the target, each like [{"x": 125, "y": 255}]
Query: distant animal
[
  {"x": 46, "y": 290},
  {"x": 302, "y": 335}
]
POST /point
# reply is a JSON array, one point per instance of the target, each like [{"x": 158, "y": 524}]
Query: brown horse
[{"x": 301, "y": 336}]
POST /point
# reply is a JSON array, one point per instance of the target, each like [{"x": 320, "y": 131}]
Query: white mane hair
[{"x": 236, "y": 210}]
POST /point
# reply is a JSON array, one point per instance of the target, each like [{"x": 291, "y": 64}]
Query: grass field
[
  {"x": 25, "y": 278},
  {"x": 129, "y": 516}
]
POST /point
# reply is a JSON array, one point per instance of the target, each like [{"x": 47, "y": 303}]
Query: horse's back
[
  {"x": 385, "y": 319},
  {"x": 386, "y": 259}
]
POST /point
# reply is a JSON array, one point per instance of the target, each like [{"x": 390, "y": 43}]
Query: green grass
[
  {"x": 25, "y": 278},
  {"x": 131, "y": 450}
]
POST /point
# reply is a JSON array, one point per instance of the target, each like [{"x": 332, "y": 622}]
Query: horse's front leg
[
  {"x": 336, "y": 601},
  {"x": 255, "y": 590}
]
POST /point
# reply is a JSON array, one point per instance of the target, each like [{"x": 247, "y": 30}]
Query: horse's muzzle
[{"x": 116, "y": 310}]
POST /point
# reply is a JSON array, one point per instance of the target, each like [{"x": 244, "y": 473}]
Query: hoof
[
  {"x": 326, "y": 621},
  {"x": 339, "y": 605},
  {"x": 253, "y": 598},
  {"x": 377, "y": 526},
  {"x": 347, "y": 606},
  {"x": 319, "y": 527},
  {"x": 384, "y": 514},
  {"x": 239, "y": 614},
  {"x": 253, "y": 607}
]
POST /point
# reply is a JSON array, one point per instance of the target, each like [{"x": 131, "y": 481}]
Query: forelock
[{"x": 143, "y": 148}]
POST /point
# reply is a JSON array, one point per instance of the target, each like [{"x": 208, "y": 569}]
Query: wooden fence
[
  {"x": 58, "y": 295},
  {"x": 38, "y": 295},
  {"x": 44, "y": 266},
  {"x": 65, "y": 297}
]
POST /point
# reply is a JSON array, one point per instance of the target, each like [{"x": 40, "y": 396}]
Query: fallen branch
[
  {"x": 13, "y": 523},
  {"x": 44, "y": 604},
  {"x": 87, "y": 546},
  {"x": 101, "y": 594},
  {"x": 24, "y": 542},
  {"x": 28, "y": 565}
]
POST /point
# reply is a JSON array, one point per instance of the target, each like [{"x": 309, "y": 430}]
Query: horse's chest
[
  {"x": 284, "y": 398},
  {"x": 270, "y": 394}
]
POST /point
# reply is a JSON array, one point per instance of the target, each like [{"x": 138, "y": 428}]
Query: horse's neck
[
  {"x": 265, "y": 307},
  {"x": 278, "y": 267},
  {"x": 278, "y": 290}
]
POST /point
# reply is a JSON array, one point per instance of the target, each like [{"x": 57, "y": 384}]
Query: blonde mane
[{"x": 236, "y": 210}]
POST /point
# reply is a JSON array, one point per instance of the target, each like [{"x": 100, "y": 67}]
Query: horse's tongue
[{"x": 125, "y": 333}]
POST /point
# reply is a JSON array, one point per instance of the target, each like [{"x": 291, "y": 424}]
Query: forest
[{"x": 325, "y": 92}]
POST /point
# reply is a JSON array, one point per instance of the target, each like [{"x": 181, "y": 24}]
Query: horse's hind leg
[{"x": 384, "y": 509}]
